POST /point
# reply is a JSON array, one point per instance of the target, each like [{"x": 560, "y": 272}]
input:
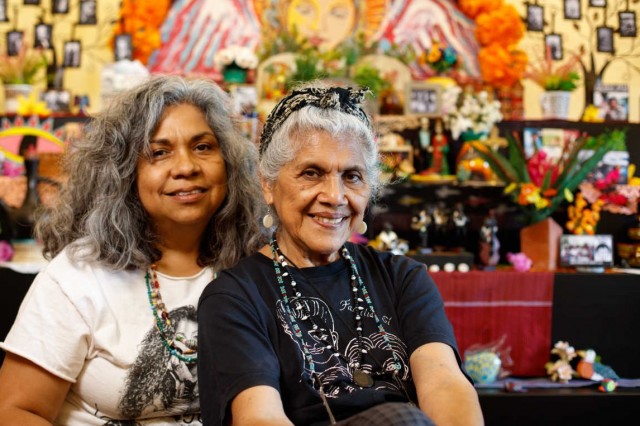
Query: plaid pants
[{"x": 389, "y": 414}]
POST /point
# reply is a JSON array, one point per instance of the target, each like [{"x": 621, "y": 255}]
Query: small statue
[
  {"x": 441, "y": 223},
  {"x": 424, "y": 143},
  {"x": 439, "y": 149},
  {"x": 460, "y": 221},
  {"x": 421, "y": 224},
  {"x": 489, "y": 244},
  {"x": 388, "y": 240}
]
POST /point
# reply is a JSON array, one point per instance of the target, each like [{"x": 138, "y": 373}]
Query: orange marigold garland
[
  {"x": 501, "y": 25},
  {"x": 142, "y": 19},
  {"x": 473, "y": 8},
  {"x": 500, "y": 66}
]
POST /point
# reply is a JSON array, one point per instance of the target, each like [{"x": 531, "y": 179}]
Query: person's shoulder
[
  {"x": 240, "y": 277},
  {"x": 387, "y": 258}
]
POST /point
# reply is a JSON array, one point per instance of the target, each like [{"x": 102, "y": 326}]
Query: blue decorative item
[{"x": 483, "y": 366}]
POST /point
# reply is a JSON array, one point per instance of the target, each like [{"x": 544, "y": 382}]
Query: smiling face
[
  {"x": 320, "y": 197},
  {"x": 323, "y": 23},
  {"x": 184, "y": 182}
]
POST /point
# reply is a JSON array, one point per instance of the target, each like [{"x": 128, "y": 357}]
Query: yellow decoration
[
  {"x": 32, "y": 106},
  {"x": 591, "y": 114}
]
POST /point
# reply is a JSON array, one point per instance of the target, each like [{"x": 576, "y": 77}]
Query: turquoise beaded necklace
[{"x": 164, "y": 325}]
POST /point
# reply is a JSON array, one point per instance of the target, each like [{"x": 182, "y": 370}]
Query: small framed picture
[
  {"x": 572, "y": 9},
  {"x": 605, "y": 39},
  {"x": 554, "y": 41},
  {"x": 612, "y": 101},
  {"x": 423, "y": 99},
  {"x": 43, "y": 36},
  {"x": 59, "y": 7},
  {"x": 598, "y": 3},
  {"x": 123, "y": 48},
  {"x": 627, "y": 23},
  {"x": 535, "y": 17},
  {"x": 14, "y": 42},
  {"x": 87, "y": 13},
  {"x": 72, "y": 54},
  {"x": 586, "y": 250},
  {"x": 3, "y": 11},
  {"x": 57, "y": 100},
  {"x": 31, "y": 2}
]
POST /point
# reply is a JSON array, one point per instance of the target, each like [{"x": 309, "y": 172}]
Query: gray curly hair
[{"x": 99, "y": 214}]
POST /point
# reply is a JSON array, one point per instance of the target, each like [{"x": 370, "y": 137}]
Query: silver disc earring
[
  {"x": 362, "y": 228},
  {"x": 267, "y": 220}
]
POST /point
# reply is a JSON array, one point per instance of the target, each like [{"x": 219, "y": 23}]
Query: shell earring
[
  {"x": 267, "y": 219},
  {"x": 362, "y": 228}
]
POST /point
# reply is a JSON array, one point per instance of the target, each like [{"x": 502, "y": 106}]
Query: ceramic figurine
[
  {"x": 439, "y": 149},
  {"x": 421, "y": 224},
  {"x": 460, "y": 221},
  {"x": 489, "y": 252},
  {"x": 441, "y": 225}
]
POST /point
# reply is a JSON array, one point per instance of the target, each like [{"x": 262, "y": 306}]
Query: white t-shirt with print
[{"x": 94, "y": 327}]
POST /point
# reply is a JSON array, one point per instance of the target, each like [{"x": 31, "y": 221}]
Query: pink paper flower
[
  {"x": 6, "y": 251},
  {"x": 520, "y": 261}
]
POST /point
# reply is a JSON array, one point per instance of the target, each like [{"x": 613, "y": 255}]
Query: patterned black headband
[{"x": 347, "y": 100}]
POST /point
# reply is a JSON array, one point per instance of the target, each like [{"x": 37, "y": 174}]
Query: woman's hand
[
  {"x": 444, "y": 393},
  {"x": 29, "y": 395}
]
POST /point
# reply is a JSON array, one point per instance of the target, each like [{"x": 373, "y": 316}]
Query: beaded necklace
[
  {"x": 178, "y": 346},
  {"x": 359, "y": 295}
]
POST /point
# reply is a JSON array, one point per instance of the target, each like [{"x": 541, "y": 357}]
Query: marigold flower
[{"x": 502, "y": 26}]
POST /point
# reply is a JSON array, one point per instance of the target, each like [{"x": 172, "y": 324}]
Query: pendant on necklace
[{"x": 362, "y": 379}]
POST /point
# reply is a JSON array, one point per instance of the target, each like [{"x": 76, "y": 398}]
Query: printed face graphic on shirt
[{"x": 332, "y": 365}]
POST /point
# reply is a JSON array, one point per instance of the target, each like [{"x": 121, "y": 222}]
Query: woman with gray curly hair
[
  {"x": 314, "y": 329},
  {"x": 160, "y": 196}
]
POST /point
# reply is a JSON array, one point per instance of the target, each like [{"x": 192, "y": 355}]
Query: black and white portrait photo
[
  {"x": 72, "y": 51},
  {"x": 88, "y": 12},
  {"x": 535, "y": 17},
  {"x": 598, "y": 3},
  {"x": 31, "y": 2},
  {"x": 3, "y": 11},
  {"x": 627, "y": 24},
  {"x": 59, "y": 6},
  {"x": 43, "y": 36},
  {"x": 572, "y": 9},
  {"x": 424, "y": 99},
  {"x": 123, "y": 50},
  {"x": 554, "y": 42},
  {"x": 14, "y": 42},
  {"x": 605, "y": 39}
]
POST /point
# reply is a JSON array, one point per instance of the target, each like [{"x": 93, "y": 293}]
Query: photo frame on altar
[
  {"x": 59, "y": 7},
  {"x": 535, "y": 17},
  {"x": 123, "y": 48},
  {"x": 57, "y": 100},
  {"x": 72, "y": 54},
  {"x": 14, "y": 42},
  {"x": 627, "y": 23},
  {"x": 554, "y": 41},
  {"x": 573, "y": 9},
  {"x": 586, "y": 250},
  {"x": 598, "y": 3},
  {"x": 3, "y": 11},
  {"x": 423, "y": 99},
  {"x": 605, "y": 39},
  {"x": 43, "y": 36},
  {"x": 612, "y": 101},
  {"x": 88, "y": 14},
  {"x": 31, "y": 2}
]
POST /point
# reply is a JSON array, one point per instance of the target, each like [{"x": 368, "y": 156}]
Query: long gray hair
[{"x": 99, "y": 214}]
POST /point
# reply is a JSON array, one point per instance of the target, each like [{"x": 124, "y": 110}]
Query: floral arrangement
[
  {"x": 473, "y": 112},
  {"x": 562, "y": 77},
  {"x": 238, "y": 56},
  {"x": 499, "y": 29},
  {"x": 540, "y": 185},
  {"x": 560, "y": 370},
  {"x": 440, "y": 59},
  {"x": 23, "y": 68},
  {"x": 142, "y": 20}
]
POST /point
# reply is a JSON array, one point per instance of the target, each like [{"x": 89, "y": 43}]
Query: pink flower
[
  {"x": 6, "y": 251},
  {"x": 520, "y": 261}
]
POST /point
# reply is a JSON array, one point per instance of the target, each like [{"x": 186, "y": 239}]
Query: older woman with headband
[
  {"x": 160, "y": 196},
  {"x": 313, "y": 329}
]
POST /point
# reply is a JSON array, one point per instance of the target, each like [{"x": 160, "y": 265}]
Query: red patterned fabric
[{"x": 483, "y": 306}]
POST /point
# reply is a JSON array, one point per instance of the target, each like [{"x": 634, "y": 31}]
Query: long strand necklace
[
  {"x": 359, "y": 295},
  {"x": 178, "y": 346}
]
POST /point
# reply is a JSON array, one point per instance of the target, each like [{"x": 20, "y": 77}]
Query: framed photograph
[
  {"x": 531, "y": 140},
  {"x": 598, "y": 3},
  {"x": 59, "y": 7},
  {"x": 72, "y": 54},
  {"x": 423, "y": 99},
  {"x": 87, "y": 13},
  {"x": 612, "y": 101},
  {"x": 14, "y": 42},
  {"x": 627, "y": 24},
  {"x": 43, "y": 36},
  {"x": 31, "y": 2},
  {"x": 535, "y": 17},
  {"x": 3, "y": 11},
  {"x": 572, "y": 9},
  {"x": 586, "y": 250},
  {"x": 605, "y": 39},
  {"x": 57, "y": 100},
  {"x": 554, "y": 41},
  {"x": 123, "y": 48}
]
